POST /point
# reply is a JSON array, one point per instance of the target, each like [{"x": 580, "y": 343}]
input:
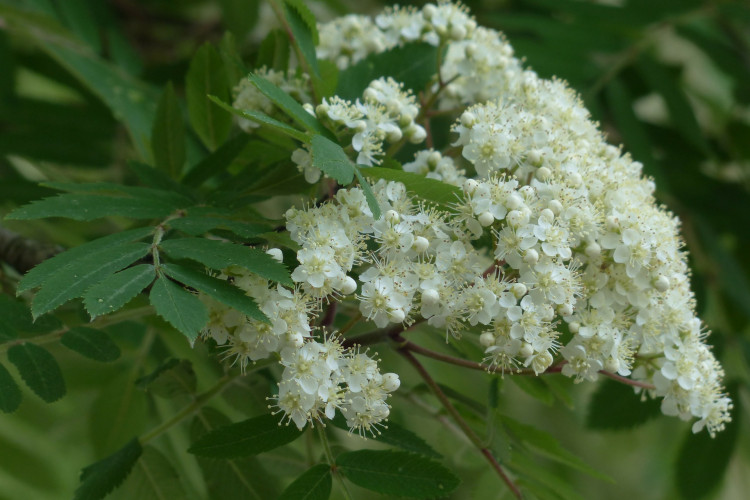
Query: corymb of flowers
[{"x": 551, "y": 253}]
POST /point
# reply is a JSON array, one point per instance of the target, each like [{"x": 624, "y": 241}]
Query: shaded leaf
[
  {"x": 288, "y": 105},
  {"x": 615, "y": 406},
  {"x": 217, "y": 162},
  {"x": 314, "y": 484},
  {"x": 273, "y": 52},
  {"x": 153, "y": 478},
  {"x": 395, "y": 435},
  {"x": 10, "y": 393},
  {"x": 198, "y": 225},
  {"x": 216, "y": 288},
  {"x": 245, "y": 438},
  {"x": 39, "y": 370},
  {"x": 220, "y": 255},
  {"x": 87, "y": 206},
  {"x": 182, "y": 309},
  {"x": 172, "y": 378},
  {"x": 262, "y": 119},
  {"x": 331, "y": 159},
  {"x": 100, "y": 478},
  {"x": 207, "y": 76},
  {"x": 397, "y": 473},
  {"x": 304, "y": 35},
  {"x": 428, "y": 189},
  {"x": 117, "y": 413},
  {"x": 116, "y": 290},
  {"x": 168, "y": 134},
  {"x": 239, "y": 16},
  {"x": 91, "y": 343},
  {"x": 372, "y": 202}
]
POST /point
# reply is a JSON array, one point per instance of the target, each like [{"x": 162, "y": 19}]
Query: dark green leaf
[
  {"x": 199, "y": 225},
  {"x": 413, "y": 64},
  {"x": 17, "y": 318},
  {"x": 220, "y": 255},
  {"x": 153, "y": 478},
  {"x": 262, "y": 119},
  {"x": 429, "y": 189},
  {"x": 74, "y": 279},
  {"x": 207, "y": 76},
  {"x": 288, "y": 105},
  {"x": 274, "y": 51},
  {"x": 39, "y": 370},
  {"x": 314, "y": 484},
  {"x": 615, "y": 406},
  {"x": 396, "y": 435},
  {"x": 239, "y": 16},
  {"x": 154, "y": 178},
  {"x": 332, "y": 160},
  {"x": 304, "y": 33},
  {"x": 168, "y": 134},
  {"x": 702, "y": 460},
  {"x": 372, "y": 202},
  {"x": 180, "y": 308},
  {"x": 536, "y": 388},
  {"x": 119, "y": 410},
  {"x": 397, "y": 473},
  {"x": 10, "y": 394},
  {"x": 91, "y": 343},
  {"x": 175, "y": 377},
  {"x": 51, "y": 267},
  {"x": 231, "y": 56},
  {"x": 100, "y": 478},
  {"x": 218, "y": 162},
  {"x": 118, "y": 289},
  {"x": 217, "y": 289},
  {"x": 167, "y": 195},
  {"x": 86, "y": 207},
  {"x": 246, "y": 438}
]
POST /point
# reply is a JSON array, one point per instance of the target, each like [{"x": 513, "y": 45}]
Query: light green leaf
[
  {"x": 304, "y": 33},
  {"x": 168, "y": 134},
  {"x": 10, "y": 394},
  {"x": 175, "y": 377},
  {"x": 288, "y": 105},
  {"x": 153, "y": 478},
  {"x": 180, "y": 308},
  {"x": 428, "y": 189},
  {"x": 218, "y": 162},
  {"x": 91, "y": 343},
  {"x": 615, "y": 406},
  {"x": 75, "y": 278},
  {"x": 100, "y": 478},
  {"x": 249, "y": 437},
  {"x": 332, "y": 160},
  {"x": 39, "y": 370},
  {"x": 372, "y": 202},
  {"x": 118, "y": 412},
  {"x": 116, "y": 290},
  {"x": 217, "y": 289},
  {"x": 262, "y": 119},
  {"x": 397, "y": 473},
  {"x": 314, "y": 484},
  {"x": 51, "y": 267},
  {"x": 199, "y": 225},
  {"x": 87, "y": 206},
  {"x": 220, "y": 255},
  {"x": 207, "y": 76}
]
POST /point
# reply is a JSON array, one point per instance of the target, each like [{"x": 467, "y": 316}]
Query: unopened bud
[
  {"x": 543, "y": 173},
  {"x": 468, "y": 119},
  {"x": 487, "y": 339},
  {"x": 593, "y": 250},
  {"x": 275, "y": 254},
  {"x": 430, "y": 297},
  {"x": 392, "y": 217},
  {"x": 531, "y": 257},
  {"x": 421, "y": 244},
  {"x": 486, "y": 219},
  {"x": 661, "y": 283},
  {"x": 349, "y": 286},
  {"x": 519, "y": 290}
]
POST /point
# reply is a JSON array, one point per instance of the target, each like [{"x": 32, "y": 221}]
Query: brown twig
[{"x": 22, "y": 253}]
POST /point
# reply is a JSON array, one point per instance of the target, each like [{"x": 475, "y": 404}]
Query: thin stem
[
  {"x": 467, "y": 430},
  {"x": 332, "y": 460},
  {"x": 627, "y": 381},
  {"x": 378, "y": 336},
  {"x": 350, "y": 324}
]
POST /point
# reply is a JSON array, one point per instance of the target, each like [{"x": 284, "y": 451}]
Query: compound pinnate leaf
[
  {"x": 168, "y": 134},
  {"x": 100, "y": 478},
  {"x": 10, "y": 393},
  {"x": 220, "y": 255},
  {"x": 287, "y": 104},
  {"x": 245, "y": 438},
  {"x": 198, "y": 225},
  {"x": 39, "y": 370},
  {"x": 372, "y": 202},
  {"x": 74, "y": 279},
  {"x": 207, "y": 76},
  {"x": 182, "y": 309},
  {"x": 313, "y": 484},
  {"x": 397, "y": 473},
  {"x": 173, "y": 378},
  {"x": 220, "y": 160},
  {"x": 331, "y": 159},
  {"x": 262, "y": 119},
  {"x": 116, "y": 290},
  {"x": 396, "y": 435},
  {"x": 615, "y": 406},
  {"x": 89, "y": 206},
  {"x": 217, "y": 289},
  {"x": 91, "y": 343},
  {"x": 153, "y": 478},
  {"x": 426, "y": 188}
]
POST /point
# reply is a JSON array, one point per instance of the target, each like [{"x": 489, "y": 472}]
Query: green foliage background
[{"x": 83, "y": 88}]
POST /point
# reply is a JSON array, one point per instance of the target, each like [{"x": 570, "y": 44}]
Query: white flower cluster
[
  {"x": 557, "y": 239},
  {"x": 318, "y": 377},
  {"x": 247, "y": 96}
]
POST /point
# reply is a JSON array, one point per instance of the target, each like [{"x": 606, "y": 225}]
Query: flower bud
[
  {"x": 458, "y": 32},
  {"x": 429, "y": 11},
  {"x": 531, "y": 257},
  {"x": 421, "y": 244},
  {"x": 468, "y": 119},
  {"x": 430, "y": 297},
  {"x": 391, "y": 382},
  {"x": 611, "y": 365},
  {"x": 394, "y": 135},
  {"x": 547, "y": 214},
  {"x": 593, "y": 250},
  {"x": 348, "y": 286},
  {"x": 555, "y": 206},
  {"x": 397, "y": 316},
  {"x": 392, "y": 217},
  {"x": 519, "y": 290},
  {"x": 275, "y": 254},
  {"x": 574, "y": 326},
  {"x": 416, "y": 134},
  {"x": 486, "y": 339},
  {"x": 486, "y": 219},
  {"x": 434, "y": 158},
  {"x": 543, "y": 173},
  {"x": 526, "y": 350},
  {"x": 309, "y": 108},
  {"x": 661, "y": 283},
  {"x": 565, "y": 309},
  {"x": 470, "y": 186}
]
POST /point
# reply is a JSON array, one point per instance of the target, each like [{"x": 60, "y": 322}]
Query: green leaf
[
  {"x": 314, "y": 484},
  {"x": 288, "y": 105},
  {"x": 262, "y": 119},
  {"x": 153, "y": 478},
  {"x": 274, "y": 51},
  {"x": 51, "y": 267},
  {"x": 17, "y": 318},
  {"x": 74, "y": 279},
  {"x": 332, "y": 160},
  {"x": 614, "y": 406},
  {"x": 39, "y": 370},
  {"x": 154, "y": 178},
  {"x": 396, "y": 435},
  {"x": 239, "y": 16},
  {"x": 180, "y": 308},
  {"x": 218, "y": 162},
  {"x": 119, "y": 410},
  {"x": 246, "y": 478},
  {"x": 304, "y": 33},
  {"x": 199, "y": 225},
  {"x": 100, "y": 478},
  {"x": 249, "y": 437},
  {"x": 10, "y": 394},
  {"x": 116, "y": 290},
  {"x": 397, "y": 473},
  {"x": 536, "y": 388},
  {"x": 703, "y": 460},
  {"x": 168, "y": 134},
  {"x": 372, "y": 202},
  {"x": 207, "y": 76},
  {"x": 91, "y": 343},
  {"x": 87, "y": 206},
  {"x": 428, "y": 189},
  {"x": 218, "y": 289},
  {"x": 413, "y": 64},
  {"x": 173, "y": 378},
  {"x": 220, "y": 255}
]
